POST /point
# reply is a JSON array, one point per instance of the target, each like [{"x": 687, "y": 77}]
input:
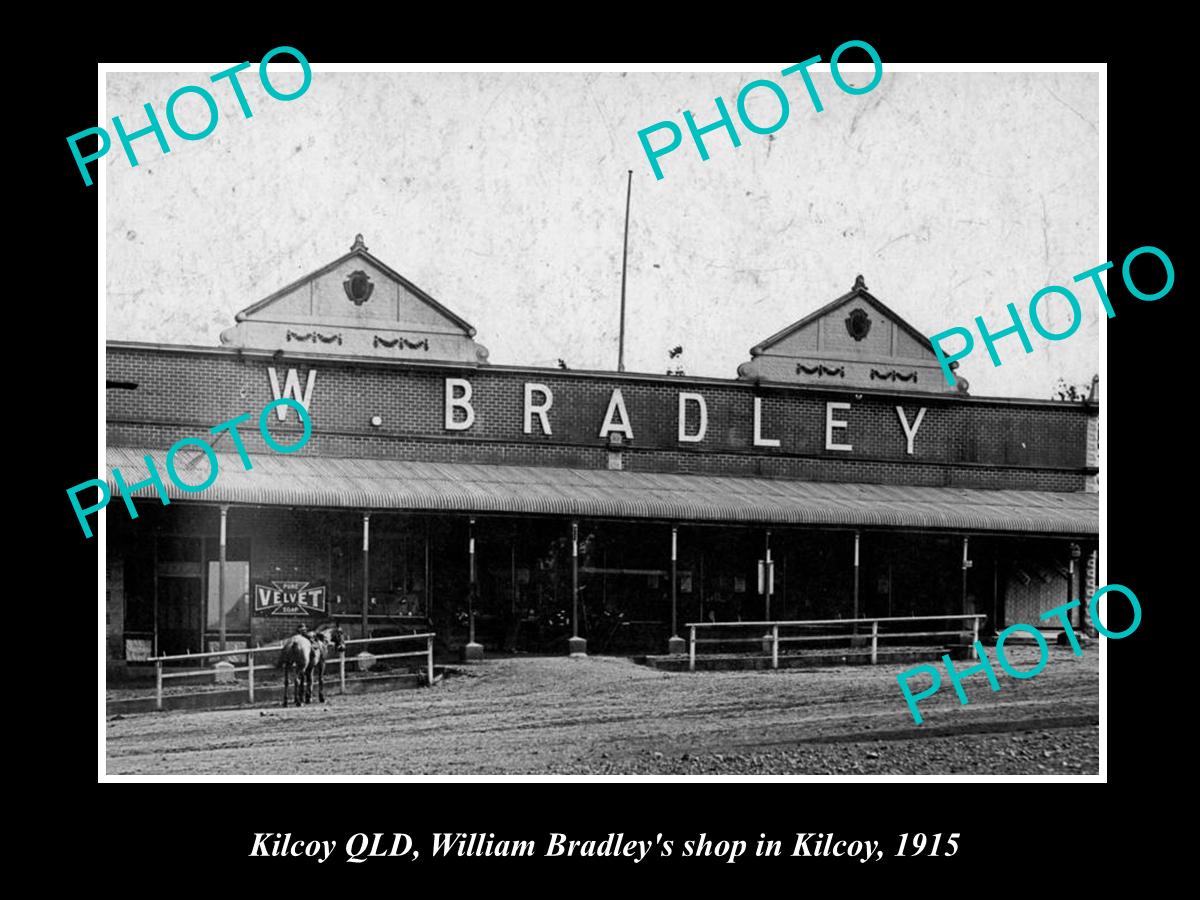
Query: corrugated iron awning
[{"x": 398, "y": 484}]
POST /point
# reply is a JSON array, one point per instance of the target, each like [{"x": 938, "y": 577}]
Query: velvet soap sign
[{"x": 288, "y": 598}]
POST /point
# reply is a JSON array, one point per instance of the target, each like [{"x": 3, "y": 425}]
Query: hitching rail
[
  {"x": 776, "y": 640},
  {"x": 250, "y": 668}
]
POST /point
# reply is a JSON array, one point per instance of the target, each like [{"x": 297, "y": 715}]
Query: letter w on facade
[{"x": 291, "y": 388}]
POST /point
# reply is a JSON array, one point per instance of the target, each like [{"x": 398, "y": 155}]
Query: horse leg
[
  {"x": 301, "y": 678},
  {"x": 308, "y": 685},
  {"x": 285, "y": 681},
  {"x": 321, "y": 681}
]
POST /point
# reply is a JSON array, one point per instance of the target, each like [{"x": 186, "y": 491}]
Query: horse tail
[{"x": 286, "y": 651}]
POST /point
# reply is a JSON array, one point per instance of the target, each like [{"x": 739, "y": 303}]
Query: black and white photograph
[{"x": 603, "y": 420}]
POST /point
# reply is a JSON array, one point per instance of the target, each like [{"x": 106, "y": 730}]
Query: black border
[{"x": 1148, "y": 427}]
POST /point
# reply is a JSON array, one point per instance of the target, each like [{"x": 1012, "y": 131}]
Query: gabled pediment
[
  {"x": 357, "y": 288},
  {"x": 857, "y": 340},
  {"x": 356, "y": 304}
]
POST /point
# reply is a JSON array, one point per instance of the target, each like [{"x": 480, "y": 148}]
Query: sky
[{"x": 503, "y": 196}]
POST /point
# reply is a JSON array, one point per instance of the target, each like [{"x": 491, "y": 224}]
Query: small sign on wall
[{"x": 288, "y": 598}]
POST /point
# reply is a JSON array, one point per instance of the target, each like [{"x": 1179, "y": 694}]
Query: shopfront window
[
  {"x": 238, "y": 599},
  {"x": 397, "y": 567},
  {"x": 398, "y": 576}
]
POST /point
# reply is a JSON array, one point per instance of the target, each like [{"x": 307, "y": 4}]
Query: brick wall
[
  {"x": 960, "y": 442},
  {"x": 1091, "y": 584},
  {"x": 1093, "y": 452},
  {"x": 286, "y": 545}
]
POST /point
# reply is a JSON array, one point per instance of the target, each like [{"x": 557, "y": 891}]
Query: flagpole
[{"x": 624, "y": 264}]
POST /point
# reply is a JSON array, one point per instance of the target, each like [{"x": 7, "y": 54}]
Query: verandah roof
[{"x": 278, "y": 480}]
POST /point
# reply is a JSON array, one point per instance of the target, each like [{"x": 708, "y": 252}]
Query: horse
[{"x": 306, "y": 652}]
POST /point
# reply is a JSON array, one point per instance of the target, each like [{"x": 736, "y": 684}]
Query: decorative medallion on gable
[
  {"x": 358, "y": 287},
  {"x": 858, "y": 323}
]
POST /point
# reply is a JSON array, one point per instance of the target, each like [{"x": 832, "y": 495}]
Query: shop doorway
[{"x": 180, "y": 615}]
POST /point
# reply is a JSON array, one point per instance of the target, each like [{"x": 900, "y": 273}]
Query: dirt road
[{"x": 604, "y": 715}]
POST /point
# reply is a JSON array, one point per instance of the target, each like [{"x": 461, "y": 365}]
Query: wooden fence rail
[
  {"x": 250, "y": 668},
  {"x": 970, "y": 621}
]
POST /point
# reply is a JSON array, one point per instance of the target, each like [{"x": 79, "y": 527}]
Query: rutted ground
[{"x": 604, "y": 715}]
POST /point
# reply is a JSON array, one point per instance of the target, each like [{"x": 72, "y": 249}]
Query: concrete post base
[
  {"x": 472, "y": 652},
  {"x": 365, "y": 661},
  {"x": 767, "y": 643},
  {"x": 577, "y": 646},
  {"x": 676, "y": 646},
  {"x": 223, "y": 672}
]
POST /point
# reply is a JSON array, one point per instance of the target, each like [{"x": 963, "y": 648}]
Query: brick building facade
[{"x": 433, "y": 480}]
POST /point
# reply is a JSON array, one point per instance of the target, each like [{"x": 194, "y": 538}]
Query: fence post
[
  {"x": 774, "y": 646},
  {"x": 250, "y": 671},
  {"x": 692, "y": 648},
  {"x": 974, "y": 637},
  {"x": 158, "y": 684},
  {"x": 874, "y": 641},
  {"x": 429, "y": 644},
  {"x": 342, "y": 669}
]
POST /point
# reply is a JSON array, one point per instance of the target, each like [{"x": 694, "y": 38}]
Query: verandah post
[
  {"x": 966, "y": 564},
  {"x": 473, "y": 650},
  {"x": 575, "y": 579},
  {"x": 365, "y": 659},
  {"x": 674, "y": 642},
  {"x": 429, "y": 648},
  {"x": 471, "y": 581},
  {"x": 576, "y": 646},
  {"x": 767, "y": 576},
  {"x": 221, "y": 577},
  {"x": 674, "y": 579},
  {"x": 366, "y": 570},
  {"x": 855, "y": 616}
]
